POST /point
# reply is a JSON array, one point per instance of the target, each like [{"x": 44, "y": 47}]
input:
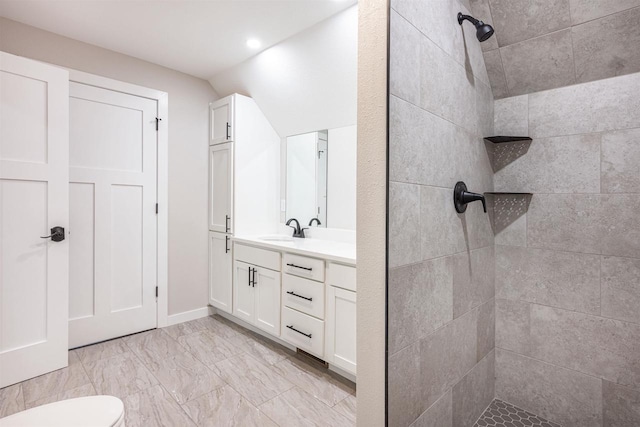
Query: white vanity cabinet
[
  {"x": 256, "y": 289},
  {"x": 340, "y": 323}
]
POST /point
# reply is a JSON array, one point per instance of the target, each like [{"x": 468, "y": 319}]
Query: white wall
[
  {"x": 188, "y": 124},
  {"x": 307, "y": 82},
  {"x": 341, "y": 198}
]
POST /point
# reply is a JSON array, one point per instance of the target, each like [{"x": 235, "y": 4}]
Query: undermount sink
[{"x": 276, "y": 238}]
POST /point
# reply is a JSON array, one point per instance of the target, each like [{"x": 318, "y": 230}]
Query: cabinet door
[
  {"x": 221, "y": 121},
  {"x": 220, "y": 271},
  {"x": 243, "y": 292},
  {"x": 340, "y": 330},
  {"x": 221, "y": 188},
  {"x": 267, "y": 289}
]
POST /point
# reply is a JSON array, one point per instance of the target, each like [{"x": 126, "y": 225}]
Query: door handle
[
  {"x": 228, "y": 128},
  {"x": 253, "y": 280},
  {"x": 300, "y": 332},
  {"x": 226, "y": 244},
  {"x": 250, "y": 275},
  {"x": 57, "y": 234},
  {"x": 227, "y": 227}
]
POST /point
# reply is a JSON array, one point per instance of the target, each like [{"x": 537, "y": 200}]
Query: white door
[
  {"x": 220, "y": 271},
  {"x": 221, "y": 188},
  {"x": 113, "y": 224},
  {"x": 267, "y": 293},
  {"x": 221, "y": 121},
  {"x": 341, "y": 328},
  {"x": 243, "y": 292},
  {"x": 34, "y": 197}
]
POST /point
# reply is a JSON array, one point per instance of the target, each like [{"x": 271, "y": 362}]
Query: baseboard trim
[{"x": 186, "y": 316}]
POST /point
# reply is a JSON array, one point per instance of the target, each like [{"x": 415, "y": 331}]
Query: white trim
[
  {"x": 163, "y": 178},
  {"x": 187, "y": 316}
]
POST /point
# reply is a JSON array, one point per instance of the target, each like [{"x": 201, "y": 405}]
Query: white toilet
[{"x": 91, "y": 411}]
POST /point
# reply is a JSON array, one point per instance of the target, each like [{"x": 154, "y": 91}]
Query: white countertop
[{"x": 341, "y": 252}]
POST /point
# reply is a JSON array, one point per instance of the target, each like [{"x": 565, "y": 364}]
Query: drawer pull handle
[
  {"x": 303, "y": 268},
  {"x": 299, "y": 296},
  {"x": 301, "y": 333}
]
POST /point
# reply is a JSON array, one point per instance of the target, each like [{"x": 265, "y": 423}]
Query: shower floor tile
[{"x": 503, "y": 414}]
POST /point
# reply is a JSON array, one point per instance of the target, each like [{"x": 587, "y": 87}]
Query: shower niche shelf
[
  {"x": 501, "y": 193},
  {"x": 503, "y": 139}
]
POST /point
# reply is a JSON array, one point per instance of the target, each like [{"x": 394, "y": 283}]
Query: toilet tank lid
[{"x": 99, "y": 411}]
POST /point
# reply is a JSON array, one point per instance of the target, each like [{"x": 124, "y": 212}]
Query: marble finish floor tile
[
  {"x": 11, "y": 400},
  {"x": 73, "y": 376},
  {"x": 120, "y": 375},
  {"x": 298, "y": 408},
  {"x": 315, "y": 382},
  {"x": 225, "y": 407},
  {"x": 184, "y": 377},
  {"x": 253, "y": 380},
  {"x": 501, "y": 413},
  {"x": 154, "y": 407},
  {"x": 208, "y": 347},
  {"x": 153, "y": 345},
  {"x": 205, "y": 372}
]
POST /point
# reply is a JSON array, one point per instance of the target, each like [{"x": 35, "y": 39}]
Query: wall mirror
[{"x": 321, "y": 178}]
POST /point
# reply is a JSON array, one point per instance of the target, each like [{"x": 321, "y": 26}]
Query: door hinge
[
  {"x": 158, "y": 120},
  {"x": 156, "y": 292},
  {"x": 156, "y": 209}
]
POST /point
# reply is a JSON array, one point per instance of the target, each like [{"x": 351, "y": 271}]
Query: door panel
[
  {"x": 221, "y": 121},
  {"x": 268, "y": 300},
  {"x": 341, "y": 328},
  {"x": 243, "y": 293},
  {"x": 220, "y": 271},
  {"x": 221, "y": 188},
  {"x": 113, "y": 159},
  {"x": 34, "y": 177}
]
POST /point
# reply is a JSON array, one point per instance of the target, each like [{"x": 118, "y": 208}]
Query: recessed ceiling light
[{"x": 253, "y": 43}]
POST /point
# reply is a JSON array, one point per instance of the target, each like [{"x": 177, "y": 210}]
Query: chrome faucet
[
  {"x": 316, "y": 220},
  {"x": 297, "y": 231}
]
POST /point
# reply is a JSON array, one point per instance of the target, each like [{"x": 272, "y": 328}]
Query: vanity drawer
[
  {"x": 303, "y": 331},
  {"x": 303, "y": 295},
  {"x": 256, "y": 256},
  {"x": 310, "y": 268},
  {"x": 341, "y": 276}
]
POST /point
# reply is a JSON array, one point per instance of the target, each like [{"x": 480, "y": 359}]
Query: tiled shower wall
[
  {"x": 568, "y": 258},
  {"x": 441, "y": 264}
]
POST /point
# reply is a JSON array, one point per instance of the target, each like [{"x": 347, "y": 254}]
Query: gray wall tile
[
  {"x": 608, "y": 46},
  {"x": 404, "y": 59},
  {"x": 561, "y": 279},
  {"x": 404, "y": 224},
  {"x": 565, "y": 222},
  {"x": 620, "y": 160},
  {"x": 560, "y": 395},
  {"x": 571, "y": 110},
  {"x": 440, "y": 414},
  {"x": 420, "y": 300},
  {"x": 565, "y": 164},
  {"x": 405, "y": 402},
  {"x": 473, "y": 279},
  {"x": 518, "y": 20},
  {"x": 621, "y": 225},
  {"x": 447, "y": 355},
  {"x": 495, "y": 71},
  {"x": 513, "y": 329},
  {"x": 621, "y": 405},
  {"x": 621, "y": 288},
  {"x": 474, "y": 392},
  {"x": 486, "y": 328},
  {"x": 605, "y": 348},
  {"x": 538, "y": 64},
  {"x": 511, "y": 116},
  {"x": 441, "y": 228},
  {"x": 586, "y": 10},
  {"x": 509, "y": 219}
]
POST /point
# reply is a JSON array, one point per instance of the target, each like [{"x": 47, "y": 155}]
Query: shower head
[{"x": 483, "y": 31}]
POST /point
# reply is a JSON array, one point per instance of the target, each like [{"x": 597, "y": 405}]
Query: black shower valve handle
[{"x": 461, "y": 197}]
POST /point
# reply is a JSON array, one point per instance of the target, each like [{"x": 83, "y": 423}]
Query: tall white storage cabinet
[{"x": 244, "y": 186}]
